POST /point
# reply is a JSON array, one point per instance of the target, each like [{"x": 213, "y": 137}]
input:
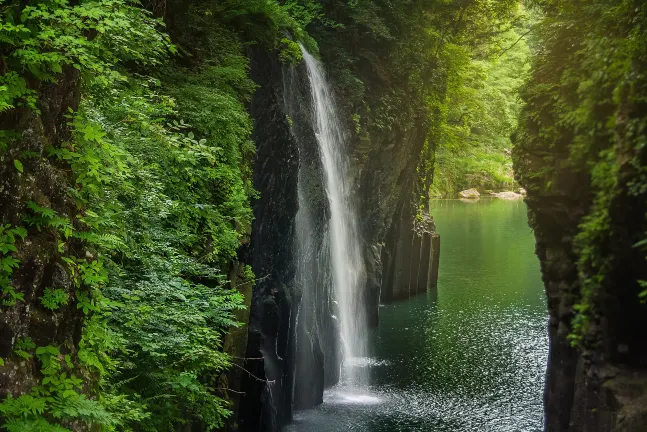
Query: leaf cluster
[{"x": 584, "y": 120}]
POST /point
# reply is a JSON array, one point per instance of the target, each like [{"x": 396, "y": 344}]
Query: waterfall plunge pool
[{"x": 467, "y": 357}]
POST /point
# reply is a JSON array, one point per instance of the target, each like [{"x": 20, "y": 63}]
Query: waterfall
[{"x": 346, "y": 262}]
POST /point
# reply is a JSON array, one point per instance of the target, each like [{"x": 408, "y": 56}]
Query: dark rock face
[
  {"x": 267, "y": 405},
  {"x": 559, "y": 270},
  {"x": 318, "y": 356},
  {"x": 400, "y": 259},
  {"x": 600, "y": 387},
  {"x": 293, "y": 341},
  {"x": 411, "y": 255},
  {"x": 587, "y": 231},
  {"x": 45, "y": 183},
  {"x": 291, "y": 323}
]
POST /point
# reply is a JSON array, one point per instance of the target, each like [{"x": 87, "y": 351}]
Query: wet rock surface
[
  {"x": 396, "y": 243},
  {"x": 267, "y": 403},
  {"x": 412, "y": 258},
  {"x": 293, "y": 343},
  {"x": 44, "y": 182}
]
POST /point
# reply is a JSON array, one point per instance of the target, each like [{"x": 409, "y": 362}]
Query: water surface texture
[{"x": 469, "y": 356}]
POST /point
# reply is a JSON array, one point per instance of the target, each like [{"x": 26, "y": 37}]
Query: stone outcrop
[
  {"x": 386, "y": 171},
  {"x": 599, "y": 386},
  {"x": 469, "y": 194},
  {"x": 507, "y": 195},
  {"x": 411, "y": 258}
]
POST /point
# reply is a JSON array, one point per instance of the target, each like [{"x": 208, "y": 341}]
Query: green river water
[{"x": 469, "y": 356}]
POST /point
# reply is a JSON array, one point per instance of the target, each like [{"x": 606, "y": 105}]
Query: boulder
[
  {"x": 508, "y": 195},
  {"x": 470, "y": 194}
]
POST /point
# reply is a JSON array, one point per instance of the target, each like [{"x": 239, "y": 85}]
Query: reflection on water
[{"x": 470, "y": 356}]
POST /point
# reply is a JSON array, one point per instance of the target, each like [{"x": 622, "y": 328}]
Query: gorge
[
  {"x": 319, "y": 320},
  {"x": 221, "y": 215}
]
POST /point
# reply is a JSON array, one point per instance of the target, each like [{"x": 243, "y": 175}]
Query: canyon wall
[
  {"x": 293, "y": 349},
  {"x": 271, "y": 342},
  {"x": 288, "y": 351},
  {"x": 580, "y": 153}
]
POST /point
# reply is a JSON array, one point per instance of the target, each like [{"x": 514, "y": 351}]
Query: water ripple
[{"x": 469, "y": 357}]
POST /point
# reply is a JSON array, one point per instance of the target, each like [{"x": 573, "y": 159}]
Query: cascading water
[{"x": 347, "y": 268}]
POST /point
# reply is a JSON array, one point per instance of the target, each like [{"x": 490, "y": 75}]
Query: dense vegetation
[
  {"x": 146, "y": 196},
  {"x": 157, "y": 168},
  {"x": 474, "y": 147},
  {"x": 125, "y": 162},
  {"x": 582, "y": 138}
]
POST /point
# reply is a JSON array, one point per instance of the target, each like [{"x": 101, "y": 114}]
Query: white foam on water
[
  {"x": 343, "y": 395},
  {"x": 361, "y": 362}
]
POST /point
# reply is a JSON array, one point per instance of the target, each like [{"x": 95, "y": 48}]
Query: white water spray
[{"x": 345, "y": 252}]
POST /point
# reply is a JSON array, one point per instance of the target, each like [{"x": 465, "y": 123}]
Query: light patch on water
[
  {"x": 349, "y": 397},
  {"x": 474, "y": 357},
  {"x": 359, "y": 362}
]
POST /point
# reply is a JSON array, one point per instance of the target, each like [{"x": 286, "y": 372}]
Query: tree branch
[
  {"x": 514, "y": 44},
  {"x": 252, "y": 375}
]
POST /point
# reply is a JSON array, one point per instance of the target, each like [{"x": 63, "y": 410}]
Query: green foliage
[
  {"x": 53, "y": 299},
  {"x": 46, "y": 217},
  {"x": 290, "y": 52},
  {"x": 308, "y": 11},
  {"x": 23, "y": 347},
  {"x": 584, "y": 117},
  {"x": 163, "y": 205},
  {"x": 479, "y": 115},
  {"x": 8, "y": 263},
  {"x": 40, "y": 39},
  {"x": 259, "y": 21},
  {"x": 162, "y": 239},
  {"x": 59, "y": 396},
  {"x": 161, "y": 169}
]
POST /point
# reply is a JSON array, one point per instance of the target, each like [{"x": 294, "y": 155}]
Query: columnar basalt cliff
[
  {"x": 587, "y": 202},
  {"x": 410, "y": 257},
  {"x": 267, "y": 405}
]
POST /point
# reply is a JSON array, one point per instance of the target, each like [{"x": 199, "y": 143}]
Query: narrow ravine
[
  {"x": 246, "y": 216},
  {"x": 468, "y": 356}
]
